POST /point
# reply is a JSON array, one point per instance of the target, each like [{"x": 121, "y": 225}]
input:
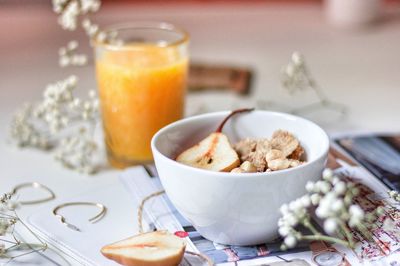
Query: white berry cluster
[
  {"x": 76, "y": 152},
  {"x": 394, "y": 195},
  {"x": 69, "y": 57},
  {"x": 24, "y": 134},
  {"x": 60, "y": 115},
  {"x": 93, "y": 30},
  {"x": 295, "y": 75},
  {"x": 7, "y": 221},
  {"x": 62, "y": 120},
  {"x": 69, "y": 11},
  {"x": 56, "y": 103},
  {"x": 330, "y": 200},
  {"x": 60, "y": 107}
]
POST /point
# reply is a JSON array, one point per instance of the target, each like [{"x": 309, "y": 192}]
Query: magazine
[
  {"x": 383, "y": 250},
  {"x": 380, "y": 154}
]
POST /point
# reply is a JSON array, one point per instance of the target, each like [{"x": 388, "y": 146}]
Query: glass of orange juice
[{"x": 141, "y": 76}]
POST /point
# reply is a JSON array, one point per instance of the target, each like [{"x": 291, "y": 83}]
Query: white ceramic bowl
[{"x": 229, "y": 208}]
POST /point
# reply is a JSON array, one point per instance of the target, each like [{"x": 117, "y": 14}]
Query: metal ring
[
  {"x": 33, "y": 185},
  {"x": 94, "y": 219}
]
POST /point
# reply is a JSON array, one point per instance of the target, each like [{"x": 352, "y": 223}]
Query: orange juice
[{"x": 141, "y": 88}]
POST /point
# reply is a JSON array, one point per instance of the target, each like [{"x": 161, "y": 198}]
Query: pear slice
[
  {"x": 159, "y": 248},
  {"x": 213, "y": 153}
]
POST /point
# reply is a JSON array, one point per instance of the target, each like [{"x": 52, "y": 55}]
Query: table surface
[{"x": 359, "y": 68}]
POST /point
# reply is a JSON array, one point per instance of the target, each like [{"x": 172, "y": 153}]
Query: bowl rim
[{"x": 237, "y": 175}]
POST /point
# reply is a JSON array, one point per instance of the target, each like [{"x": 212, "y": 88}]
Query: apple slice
[
  {"x": 215, "y": 152},
  {"x": 159, "y": 248}
]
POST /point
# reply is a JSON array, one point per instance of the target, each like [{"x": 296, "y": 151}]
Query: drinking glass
[{"x": 141, "y": 75}]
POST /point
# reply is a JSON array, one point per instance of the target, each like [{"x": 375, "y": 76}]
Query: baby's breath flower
[
  {"x": 315, "y": 198},
  {"x": 330, "y": 225},
  {"x": 324, "y": 186},
  {"x": 335, "y": 180},
  {"x": 297, "y": 58},
  {"x": 69, "y": 57},
  {"x": 356, "y": 212},
  {"x": 58, "y": 5},
  {"x": 295, "y": 205},
  {"x": 339, "y": 188},
  {"x": 8, "y": 223},
  {"x": 327, "y": 174},
  {"x": 392, "y": 193},
  {"x": 284, "y": 230},
  {"x": 70, "y": 10},
  {"x": 77, "y": 152},
  {"x": 332, "y": 201},
  {"x": 322, "y": 211},
  {"x": 69, "y": 16},
  {"x": 4, "y": 225},
  {"x": 2, "y": 248},
  {"x": 380, "y": 210},
  {"x": 24, "y": 132},
  {"x": 296, "y": 77},
  {"x": 93, "y": 30},
  {"x": 55, "y": 115},
  {"x": 310, "y": 186},
  {"x": 291, "y": 219},
  {"x": 90, "y": 6},
  {"x": 12, "y": 205},
  {"x": 45, "y": 124},
  {"x": 337, "y": 205},
  {"x": 284, "y": 209},
  {"x": 306, "y": 201},
  {"x": 290, "y": 241}
]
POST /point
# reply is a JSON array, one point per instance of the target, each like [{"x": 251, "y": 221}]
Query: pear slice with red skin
[
  {"x": 215, "y": 152},
  {"x": 159, "y": 248}
]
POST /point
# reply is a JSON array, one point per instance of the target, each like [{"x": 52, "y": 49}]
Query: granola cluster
[{"x": 281, "y": 151}]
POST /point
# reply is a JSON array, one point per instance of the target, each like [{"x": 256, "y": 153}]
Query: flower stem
[
  {"x": 364, "y": 231},
  {"x": 325, "y": 238},
  {"x": 308, "y": 224},
  {"x": 347, "y": 233}
]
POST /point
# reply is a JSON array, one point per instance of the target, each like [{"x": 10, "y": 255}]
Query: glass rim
[{"x": 165, "y": 26}]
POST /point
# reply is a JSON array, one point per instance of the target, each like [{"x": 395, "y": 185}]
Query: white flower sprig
[
  {"x": 93, "y": 30},
  {"x": 297, "y": 78},
  {"x": 8, "y": 220},
  {"x": 69, "y": 57},
  {"x": 69, "y": 11},
  {"x": 295, "y": 75},
  {"x": 24, "y": 133},
  {"x": 395, "y": 195},
  {"x": 95, "y": 33},
  {"x": 331, "y": 201},
  {"x": 76, "y": 152},
  {"x": 60, "y": 119}
]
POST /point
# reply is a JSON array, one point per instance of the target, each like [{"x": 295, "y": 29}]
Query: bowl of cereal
[{"x": 229, "y": 179}]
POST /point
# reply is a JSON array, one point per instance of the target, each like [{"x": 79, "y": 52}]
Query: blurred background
[{"x": 350, "y": 46}]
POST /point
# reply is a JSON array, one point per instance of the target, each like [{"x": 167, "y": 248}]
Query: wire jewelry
[
  {"x": 94, "y": 219},
  {"x": 35, "y": 185}
]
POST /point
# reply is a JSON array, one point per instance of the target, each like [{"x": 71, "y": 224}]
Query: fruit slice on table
[
  {"x": 215, "y": 152},
  {"x": 158, "y": 248}
]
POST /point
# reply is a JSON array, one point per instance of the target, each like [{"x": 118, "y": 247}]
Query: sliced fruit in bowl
[{"x": 215, "y": 152}]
